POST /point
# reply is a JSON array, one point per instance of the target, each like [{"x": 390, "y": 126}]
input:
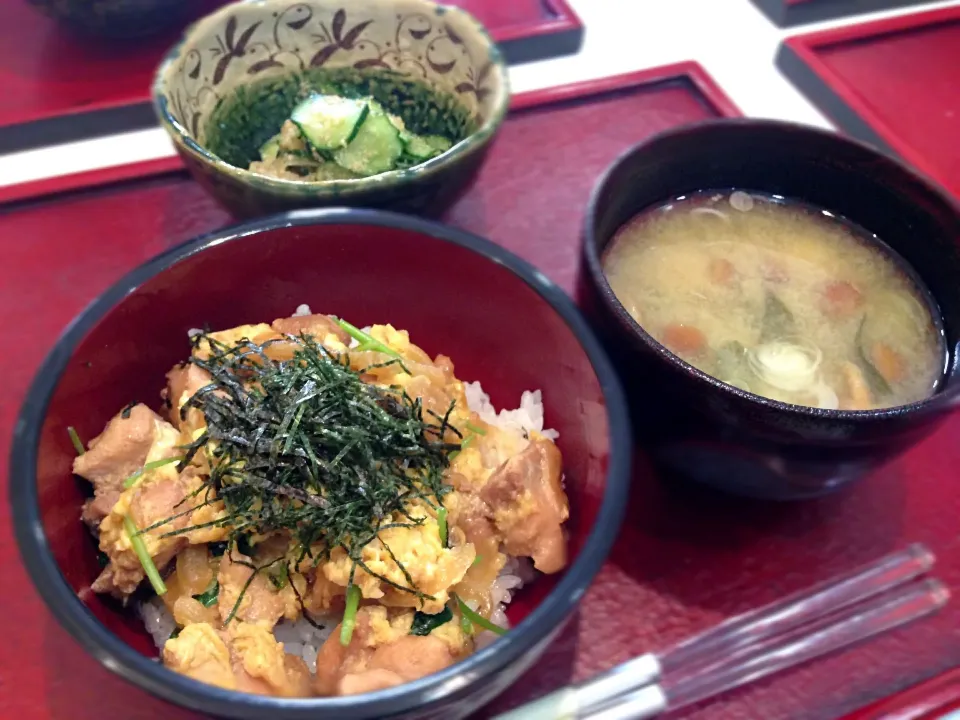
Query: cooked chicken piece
[
  {"x": 244, "y": 657},
  {"x": 118, "y": 452},
  {"x": 262, "y": 603},
  {"x": 383, "y": 654},
  {"x": 401, "y": 661},
  {"x": 323, "y": 595},
  {"x": 436, "y": 398},
  {"x": 160, "y": 495},
  {"x": 528, "y": 503},
  {"x": 468, "y": 512},
  {"x": 146, "y": 504},
  {"x": 318, "y": 326},
  {"x": 445, "y": 365},
  {"x": 183, "y": 382}
]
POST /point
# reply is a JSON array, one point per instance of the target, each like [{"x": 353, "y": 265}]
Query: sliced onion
[{"x": 786, "y": 365}]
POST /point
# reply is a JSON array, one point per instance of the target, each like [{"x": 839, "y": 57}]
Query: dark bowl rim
[
  {"x": 150, "y": 675},
  {"x": 592, "y": 257}
]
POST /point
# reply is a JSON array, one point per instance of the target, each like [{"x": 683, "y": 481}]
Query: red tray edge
[
  {"x": 536, "y": 39},
  {"x": 790, "y": 13},
  {"x": 926, "y": 700},
  {"x": 566, "y": 21},
  {"x": 692, "y": 71},
  {"x": 838, "y": 100}
]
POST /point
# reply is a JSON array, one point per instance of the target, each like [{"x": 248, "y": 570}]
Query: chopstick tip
[
  {"x": 924, "y": 556},
  {"x": 939, "y": 592}
]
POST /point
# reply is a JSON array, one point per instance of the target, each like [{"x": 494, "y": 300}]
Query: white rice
[
  {"x": 527, "y": 417},
  {"x": 301, "y": 638}
]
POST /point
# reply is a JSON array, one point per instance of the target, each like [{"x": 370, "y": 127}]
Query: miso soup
[{"x": 779, "y": 299}]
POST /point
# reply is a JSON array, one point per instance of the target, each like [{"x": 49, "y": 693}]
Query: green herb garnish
[
  {"x": 367, "y": 342},
  {"x": 349, "y": 614},
  {"x": 442, "y": 524},
  {"x": 208, "y": 598},
  {"x": 279, "y": 578},
  {"x": 475, "y": 618},
  {"x": 140, "y": 548},
  {"x": 424, "y": 623},
  {"x": 153, "y": 465},
  {"x": 474, "y": 429},
  {"x": 75, "y": 439}
]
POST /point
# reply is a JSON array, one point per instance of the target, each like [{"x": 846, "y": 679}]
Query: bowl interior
[
  {"x": 241, "y": 70},
  {"x": 821, "y": 169},
  {"x": 495, "y": 327}
]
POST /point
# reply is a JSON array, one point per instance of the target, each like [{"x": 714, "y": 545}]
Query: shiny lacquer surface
[{"x": 685, "y": 558}]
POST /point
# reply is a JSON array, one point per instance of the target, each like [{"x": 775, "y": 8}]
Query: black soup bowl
[
  {"x": 501, "y": 322},
  {"x": 698, "y": 427}
]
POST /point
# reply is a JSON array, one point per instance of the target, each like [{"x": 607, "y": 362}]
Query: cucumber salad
[{"x": 334, "y": 138}]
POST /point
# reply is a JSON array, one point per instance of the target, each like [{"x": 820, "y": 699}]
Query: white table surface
[{"x": 730, "y": 38}]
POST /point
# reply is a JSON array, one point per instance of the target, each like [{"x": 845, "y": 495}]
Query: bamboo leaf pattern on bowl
[
  {"x": 340, "y": 41},
  {"x": 475, "y": 84},
  {"x": 230, "y": 48}
]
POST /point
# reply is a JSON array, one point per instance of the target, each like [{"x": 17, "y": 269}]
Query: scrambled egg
[{"x": 433, "y": 569}]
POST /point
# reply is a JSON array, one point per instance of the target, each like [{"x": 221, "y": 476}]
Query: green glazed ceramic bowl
[{"x": 247, "y": 64}]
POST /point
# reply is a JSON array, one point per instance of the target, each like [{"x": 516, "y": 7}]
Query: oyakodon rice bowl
[{"x": 328, "y": 511}]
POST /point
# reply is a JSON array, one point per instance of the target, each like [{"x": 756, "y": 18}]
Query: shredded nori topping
[{"x": 305, "y": 446}]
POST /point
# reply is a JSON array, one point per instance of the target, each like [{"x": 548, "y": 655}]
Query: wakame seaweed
[{"x": 304, "y": 446}]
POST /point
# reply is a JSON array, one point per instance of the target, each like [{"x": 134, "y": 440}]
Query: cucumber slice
[
  {"x": 425, "y": 147},
  {"x": 329, "y": 122},
  {"x": 375, "y": 149},
  {"x": 270, "y": 149}
]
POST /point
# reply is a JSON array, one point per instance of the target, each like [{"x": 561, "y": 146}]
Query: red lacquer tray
[
  {"x": 57, "y": 87},
  {"x": 894, "y": 83},
  {"x": 935, "y": 699},
  {"x": 685, "y": 559},
  {"x": 786, "y": 13}
]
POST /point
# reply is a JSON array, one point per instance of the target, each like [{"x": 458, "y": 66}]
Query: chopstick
[
  {"x": 729, "y": 639},
  {"x": 878, "y": 615}
]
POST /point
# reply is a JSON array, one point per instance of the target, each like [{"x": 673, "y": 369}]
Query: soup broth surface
[{"x": 778, "y": 299}]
